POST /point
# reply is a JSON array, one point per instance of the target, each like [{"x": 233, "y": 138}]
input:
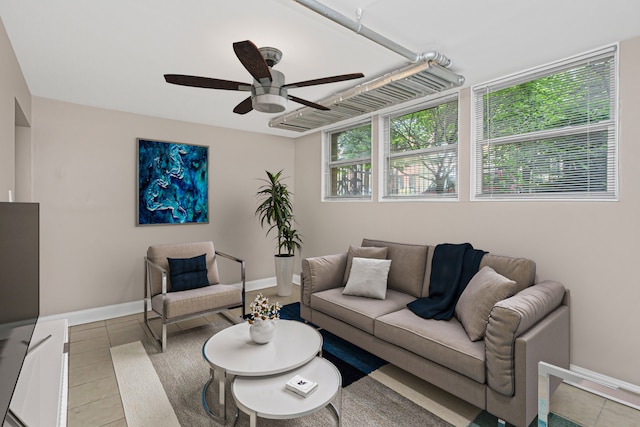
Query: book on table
[{"x": 301, "y": 386}]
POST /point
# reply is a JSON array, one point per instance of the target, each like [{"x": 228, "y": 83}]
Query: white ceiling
[{"x": 113, "y": 54}]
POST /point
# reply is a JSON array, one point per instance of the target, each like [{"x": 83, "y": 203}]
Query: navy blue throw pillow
[{"x": 188, "y": 273}]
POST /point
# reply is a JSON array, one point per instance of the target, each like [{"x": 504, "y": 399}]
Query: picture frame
[{"x": 172, "y": 183}]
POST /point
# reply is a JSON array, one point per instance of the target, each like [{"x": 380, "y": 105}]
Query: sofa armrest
[
  {"x": 321, "y": 273},
  {"x": 547, "y": 340},
  {"x": 509, "y": 319}
]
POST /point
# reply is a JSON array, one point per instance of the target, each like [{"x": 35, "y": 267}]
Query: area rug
[
  {"x": 143, "y": 398},
  {"x": 183, "y": 372},
  {"x": 374, "y": 392},
  {"x": 355, "y": 363}
]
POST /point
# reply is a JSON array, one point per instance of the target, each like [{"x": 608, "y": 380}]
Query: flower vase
[{"x": 261, "y": 331}]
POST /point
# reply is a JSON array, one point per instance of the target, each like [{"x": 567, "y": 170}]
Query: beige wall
[
  {"x": 84, "y": 177},
  {"x": 13, "y": 89},
  {"x": 85, "y": 180},
  {"x": 589, "y": 246}
]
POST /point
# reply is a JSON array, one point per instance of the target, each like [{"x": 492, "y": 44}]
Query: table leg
[
  {"x": 221, "y": 384},
  {"x": 543, "y": 400},
  {"x": 336, "y": 406},
  {"x": 339, "y": 406},
  {"x": 221, "y": 417},
  {"x": 253, "y": 419}
]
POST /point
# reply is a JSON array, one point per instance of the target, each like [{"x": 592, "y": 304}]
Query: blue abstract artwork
[{"x": 173, "y": 183}]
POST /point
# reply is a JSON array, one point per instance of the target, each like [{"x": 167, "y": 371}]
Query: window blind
[
  {"x": 550, "y": 133},
  {"x": 421, "y": 151},
  {"x": 348, "y": 163}
]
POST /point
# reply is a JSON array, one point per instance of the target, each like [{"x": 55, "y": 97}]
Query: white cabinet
[{"x": 40, "y": 397}]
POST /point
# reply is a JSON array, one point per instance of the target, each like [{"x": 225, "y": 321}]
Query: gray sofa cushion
[
  {"x": 442, "y": 342},
  {"x": 427, "y": 272},
  {"x": 358, "y": 311},
  {"x": 520, "y": 270},
  {"x": 408, "y": 263},
  {"x": 474, "y": 306},
  {"x": 509, "y": 319},
  {"x": 360, "y": 252}
]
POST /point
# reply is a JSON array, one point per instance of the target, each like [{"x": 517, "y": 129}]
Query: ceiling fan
[{"x": 269, "y": 93}]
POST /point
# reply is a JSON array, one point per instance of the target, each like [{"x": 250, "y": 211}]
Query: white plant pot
[{"x": 284, "y": 274}]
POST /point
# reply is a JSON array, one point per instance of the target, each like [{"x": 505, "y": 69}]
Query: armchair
[{"x": 181, "y": 305}]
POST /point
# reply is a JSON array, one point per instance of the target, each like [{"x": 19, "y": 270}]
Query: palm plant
[{"x": 276, "y": 210}]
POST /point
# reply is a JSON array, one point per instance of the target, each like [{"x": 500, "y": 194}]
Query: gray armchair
[{"x": 186, "y": 304}]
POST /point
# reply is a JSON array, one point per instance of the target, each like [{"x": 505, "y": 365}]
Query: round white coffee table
[
  {"x": 267, "y": 397},
  {"x": 231, "y": 352}
]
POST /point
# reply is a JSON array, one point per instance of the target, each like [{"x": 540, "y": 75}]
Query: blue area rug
[
  {"x": 352, "y": 361},
  {"x": 355, "y": 363}
]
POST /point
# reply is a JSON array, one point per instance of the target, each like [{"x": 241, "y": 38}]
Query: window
[
  {"x": 348, "y": 170},
  {"x": 421, "y": 152},
  {"x": 549, "y": 133}
]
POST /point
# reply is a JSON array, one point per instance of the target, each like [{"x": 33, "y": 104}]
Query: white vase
[
  {"x": 261, "y": 331},
  {"x": 284, "y": 274}
]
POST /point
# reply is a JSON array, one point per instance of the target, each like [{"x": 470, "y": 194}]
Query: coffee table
[
  {"x": 267, "y": 397},
  {"x": 231, "y": 352}
]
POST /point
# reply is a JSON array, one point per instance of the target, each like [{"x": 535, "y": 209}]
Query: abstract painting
[{"x": 173, "y": 183}]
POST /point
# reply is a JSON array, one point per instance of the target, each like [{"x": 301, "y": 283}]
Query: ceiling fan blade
[
  {"x": 307, "y": 103},
  {"x": 206, "y": 82},
  {"x": 244, "y": 107},
  {"x": 324, "y": 80},
  {"x": 250, "y": 56}
]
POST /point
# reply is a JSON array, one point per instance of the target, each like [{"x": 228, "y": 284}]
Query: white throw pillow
[{"x": 368, "y": 278}]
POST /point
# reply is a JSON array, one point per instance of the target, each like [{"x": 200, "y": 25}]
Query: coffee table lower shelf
[{"x": 267, "y": 397}]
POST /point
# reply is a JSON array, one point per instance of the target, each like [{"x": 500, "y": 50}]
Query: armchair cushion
[
  {"x": 177, "y": 304},
  {"x": 188, "y": 273}
]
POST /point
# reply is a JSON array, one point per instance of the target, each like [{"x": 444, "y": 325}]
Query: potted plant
[{"x": 276, "y": 211}]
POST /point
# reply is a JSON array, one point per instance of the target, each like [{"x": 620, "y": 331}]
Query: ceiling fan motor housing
[{"x": 271, "y": 98}]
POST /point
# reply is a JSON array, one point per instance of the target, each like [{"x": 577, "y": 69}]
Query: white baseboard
[
  {"x": 135, "y": 307},
  {"x": 97, "y": 314},
  {"x": 597, "y": 377}
]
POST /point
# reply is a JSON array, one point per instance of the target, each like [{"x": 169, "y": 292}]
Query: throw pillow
[
  {"x": 362, "y": 252},
  {"x": 368, "y": 278},
  {"x": 484, "y": 290},
  {"x": 188, "y": 273}
]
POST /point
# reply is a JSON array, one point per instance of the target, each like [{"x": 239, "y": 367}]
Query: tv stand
[{"x": 40, "y": 397}]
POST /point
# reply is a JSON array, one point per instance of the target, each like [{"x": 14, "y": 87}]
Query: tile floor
[{"x": 94, "y": 399}]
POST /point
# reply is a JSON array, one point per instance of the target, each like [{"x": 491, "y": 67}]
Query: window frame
[
  {"x": 385, "y": 156},
  {"x": 327, "y": 163},
  {"x": 612, "y": 124}
]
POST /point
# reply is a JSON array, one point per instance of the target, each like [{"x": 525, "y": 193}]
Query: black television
[{"x": 19, "y": 291}]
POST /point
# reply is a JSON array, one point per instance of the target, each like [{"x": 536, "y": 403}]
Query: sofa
[{"x": 486, "y": 354}]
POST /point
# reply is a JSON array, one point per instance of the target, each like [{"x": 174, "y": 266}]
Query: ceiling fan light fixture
[
  {"x": 270, "y": 98},
  {"x": 269, "y": 103}
]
